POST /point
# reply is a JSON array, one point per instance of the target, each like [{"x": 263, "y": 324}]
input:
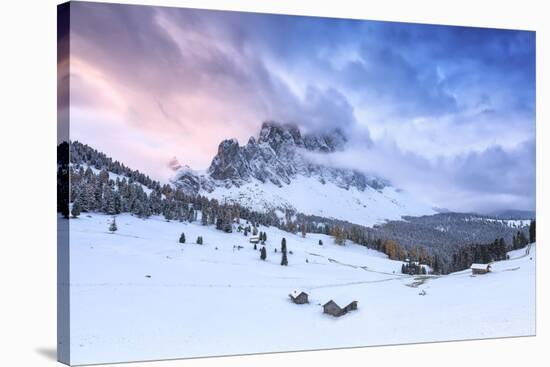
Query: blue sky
[{"x": 445, "y": 112}]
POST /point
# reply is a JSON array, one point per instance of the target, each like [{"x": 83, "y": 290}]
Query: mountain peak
[
  {"x": 277, "y": 157},
  {"x": 275, "y": 174},
  {"x": 278, "y": 134}
]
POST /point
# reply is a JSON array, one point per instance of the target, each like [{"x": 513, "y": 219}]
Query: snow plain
[{"x": 138, "y": 294}]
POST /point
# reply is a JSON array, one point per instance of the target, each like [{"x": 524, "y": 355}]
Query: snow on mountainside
[
  {"x": 139, "y": 294},
  {"x": 273, "y": 172},
  {"x": 113, "y": 176}
]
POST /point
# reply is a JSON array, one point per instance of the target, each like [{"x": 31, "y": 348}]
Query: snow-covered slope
[
  {"x": 273, "y": 172},
  {"x": 139, "y": 294},
  {"x": 113, "y": 176},
  {"x": 309, "y": 196}
]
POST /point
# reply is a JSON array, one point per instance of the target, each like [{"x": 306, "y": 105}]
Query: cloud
[
  {"x": 423, "y": 98},
  {"x": 477, "y": 181}
]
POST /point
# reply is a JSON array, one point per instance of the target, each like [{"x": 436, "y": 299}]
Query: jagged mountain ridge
[
  {"x": 273, "y": 172},
  {"x": 276, "y": 157}
]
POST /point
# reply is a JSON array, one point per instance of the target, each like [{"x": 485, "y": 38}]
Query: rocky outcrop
[{"x": 277, "y": 156}]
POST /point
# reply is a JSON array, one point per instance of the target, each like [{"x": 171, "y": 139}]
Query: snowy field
[{"x": 138, "y": 294}]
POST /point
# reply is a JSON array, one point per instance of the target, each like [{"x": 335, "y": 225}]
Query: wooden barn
[
  {"x": 351, "y": 307},
  {"x": 333, "y": 309},
  {"x": 480, "y": 268},
  {"x": 299, "y": 297}
]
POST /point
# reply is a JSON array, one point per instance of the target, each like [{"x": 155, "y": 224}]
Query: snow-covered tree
[
  {"x": 103, "y": 177},
  {"x": 108, "y": 202},
  {"x": 191, "y": 215},
  {"x": 77, "y": 208},
  {"x": 204, "y": 216},
  {"x": 168, "y": 214},
  {"x": 112, "y": 227},
  {"x": 88, "y": 200}
]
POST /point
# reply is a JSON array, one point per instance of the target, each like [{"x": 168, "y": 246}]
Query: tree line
[{"x": 445, "y": 242}]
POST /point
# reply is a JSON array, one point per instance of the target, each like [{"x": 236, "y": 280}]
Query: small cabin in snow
[
  {"x": 480, "y": 268},
  {"x": 254, "y": 239},
  {"x": 299, "y": 297},
  {"x": 333, "y": 309}
]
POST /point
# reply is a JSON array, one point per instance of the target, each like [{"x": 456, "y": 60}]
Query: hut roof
[
  {"x": 329, "y": 302},
  {"x": 480, "y": 266},
  {"x": 340, "y": 302}
]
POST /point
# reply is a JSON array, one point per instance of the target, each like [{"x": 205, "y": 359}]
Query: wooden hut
[
  {"x": 351, "y": 307},
  {"x": 480, "y": 268},
  {"x": 333, "y": 309},
  {"x": 299, "y": 297}
]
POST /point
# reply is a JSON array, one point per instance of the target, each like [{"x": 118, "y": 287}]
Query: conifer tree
[
  {"x": 263, "y": 253},
  {"x": 113, "y": 228},
  {"x": 182, "y": 237},
  {"x": 103, "y": 176},
  {"x": 140, "y": 209},
  {"x": 108, "y": 201},
  {"x": 77, "y": 208},
  {"x": 283, "y": 245},
  {"x": 168, "y": 213},
  {"x": 204, "y": 217},
  {"x": 522, "y": 240},
  {"x": 284, "y": 260},
  {"x": 117, "y": 202},
  {"x": 199, "y": 240}
]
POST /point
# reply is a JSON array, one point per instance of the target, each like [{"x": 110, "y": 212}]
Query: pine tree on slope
[
  {"x": 113, "y": 228},
  {"x": 284, "y": 260}
]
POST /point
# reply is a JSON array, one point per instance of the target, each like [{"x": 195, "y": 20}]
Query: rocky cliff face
[{"x": 277, "y": 156}]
